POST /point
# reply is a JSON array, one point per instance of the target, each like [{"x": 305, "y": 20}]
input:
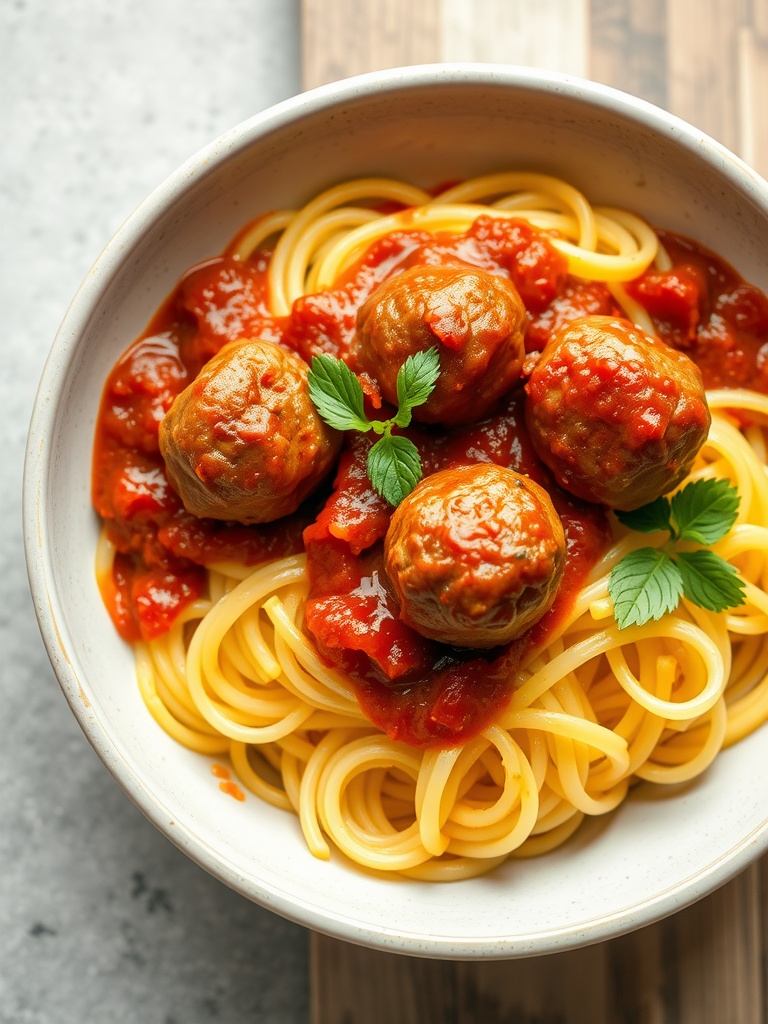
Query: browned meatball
[
  {"x": 474, "y": 318},
  {"x": 475, "y": 555},
  {"x": 616, "y": 414},
  {"x": 243, "y": 441}
]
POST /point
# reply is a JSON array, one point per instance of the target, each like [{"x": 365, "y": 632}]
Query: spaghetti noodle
[{"x": 592, "y": 710}]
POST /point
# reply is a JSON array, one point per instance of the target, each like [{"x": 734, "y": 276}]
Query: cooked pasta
[{"x": 593, "y": 709}]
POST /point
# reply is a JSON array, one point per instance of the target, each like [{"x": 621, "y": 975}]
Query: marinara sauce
[
  {"x": 416, "y": 690},
  {"x": 702, "y": 307},
  {"x": 161, "y": 548}
]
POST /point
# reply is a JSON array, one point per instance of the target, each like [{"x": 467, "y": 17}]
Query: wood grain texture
[
  {"x": 628, "y": 47},
  {"x": 549, "y": 34},
  {"x": 753, "y": 95},
  {"x": 705, "y": 965},
  {"x": 703, "y": 64},
  {"x": 341, "y": 38},
  {"x": 350, "y": 984},
  {"x": 707, "y": 61}
]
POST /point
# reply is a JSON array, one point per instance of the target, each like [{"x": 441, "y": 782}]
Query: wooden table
[{"x": 707, "y": 61}]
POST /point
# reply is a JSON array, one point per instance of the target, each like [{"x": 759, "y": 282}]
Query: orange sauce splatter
[
  {"x": 226, "y": 785},
  {"x": 233, "y": 790}
]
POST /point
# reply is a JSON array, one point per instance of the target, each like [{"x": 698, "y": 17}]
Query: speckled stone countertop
[{"x": 101, "y": 918}]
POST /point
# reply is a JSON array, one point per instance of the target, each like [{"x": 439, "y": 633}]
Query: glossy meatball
[
  {"x": 475, "y": 555},
  {"x": 243, "y": 441},
  {"x": 474, "y": 318},
  {"x": 616, "y": 414}
]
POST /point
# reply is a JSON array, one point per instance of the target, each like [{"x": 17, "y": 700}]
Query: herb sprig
[
  {"x": 394, "y": 465},
  {"x": 649, "y": 582}
]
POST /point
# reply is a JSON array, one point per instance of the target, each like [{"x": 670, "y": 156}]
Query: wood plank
[
  {"x": 753, "y": 95},
  {"x": 704, "y": 965},
  {"x": 550, "y": 34},
  {"x": 569, "y": 988},
  {"x": 701, "y": 965},
  {"x": 760, "y": 18},
  {"x": 717, "y": 950},
  {"x": 627, "y": 47},
  {"x": 350, "y": 37},
  {"x": 350, "y": 984},
  {"x": 702, "y": 64},
  {"x": 642, "y": 977}
]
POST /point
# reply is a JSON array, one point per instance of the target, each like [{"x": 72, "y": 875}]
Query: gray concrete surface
[{"x": 101, "y": 918}]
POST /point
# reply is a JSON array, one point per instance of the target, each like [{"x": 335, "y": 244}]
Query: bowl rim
[{"x": 61, "y": 647}]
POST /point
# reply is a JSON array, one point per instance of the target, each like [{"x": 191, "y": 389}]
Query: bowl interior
[{"x": 659, "y": 851}]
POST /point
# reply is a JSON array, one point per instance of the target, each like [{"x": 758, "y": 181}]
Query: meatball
[
  {"x": 474, "y": 318},
  {"x": 475, "y": 555},
  {"x": 243, "y": 441},
  {"x": 616, "y": 414}
]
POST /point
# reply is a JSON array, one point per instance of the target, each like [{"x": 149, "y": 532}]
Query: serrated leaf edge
[{"x": 635, "y": 616}]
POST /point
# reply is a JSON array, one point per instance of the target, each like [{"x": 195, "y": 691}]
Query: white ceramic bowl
[{"x": 658, "y": 852}]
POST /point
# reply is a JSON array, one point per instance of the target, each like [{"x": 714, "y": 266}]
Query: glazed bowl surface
[{"x": 659, "y": 851}]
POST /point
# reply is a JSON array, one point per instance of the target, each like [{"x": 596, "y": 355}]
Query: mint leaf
[
  {"x": 416, "y": 380},
  {"x": 337, "y": 394},
  {"x": 394, "y": 467},
  {"x": 648, "y": 518},
  {"x": 705, "y": 510},
  {"x": 709, "y": 581},
  {"x": 645, "y": 585}
]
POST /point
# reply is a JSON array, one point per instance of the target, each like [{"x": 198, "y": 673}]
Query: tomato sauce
[
  {"x": 161, "y": 548},
  {"x": 704, "y": 308},
  {"x": 416, "y": 690},
  {"x": 226, "y": 785}
]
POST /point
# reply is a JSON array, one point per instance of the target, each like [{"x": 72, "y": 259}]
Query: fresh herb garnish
[
  {"x": 649, "y": 582},
  {"x": 393, "y": 466}
]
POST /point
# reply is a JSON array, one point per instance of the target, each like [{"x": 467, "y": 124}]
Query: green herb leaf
[
  {"x": 705, "y": 510},
  {"x": 337, "y": 394},
  {"x": 709, "y": 581},
  {"x": 416, "y": 380},
  {"x": 394, "y": 467},
  {"x": 645, "y": 585},
  {"x": 648, "y": 518}
]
